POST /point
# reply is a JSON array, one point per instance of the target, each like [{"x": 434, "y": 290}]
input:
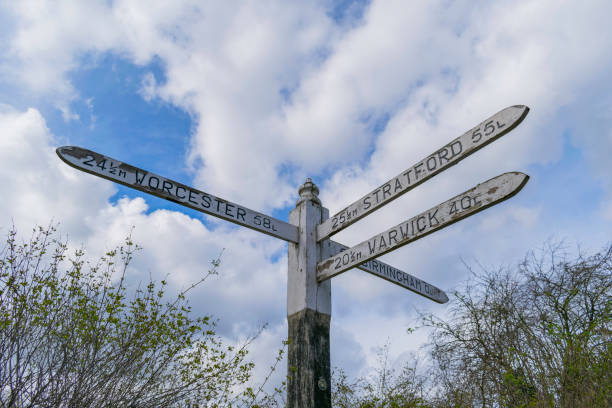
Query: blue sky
[{"x": 245, "y": 100}]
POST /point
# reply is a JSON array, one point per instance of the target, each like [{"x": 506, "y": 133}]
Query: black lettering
[
  {"x": 453, "y": 208},
  {"x": 138, "y": 180},
  {"x": 442, "y": 156},
  {"x": 476, "y": 199},
  {"x": 177, "y": 192},
  {"x": 366, "y": 203},
  {"x": 371, "y": 247},
  {"x": 460, "y": 148},
  {"x": 267, "y": 223},
  {"x": 382, "y": 243},
  {"x": 407, "y": 174},
  {"x": 191, "y": 197},
  {"x": 102, "y": 164},
  {"x": 403, "y": 233},
  {"x": 205, "y": 201},
  {"x": 374, "y": 265},
  {"x": 338, "y": 265},
  {"x": 122, "y": 173},
  {"x": 89, "y": 161},
  {"x": 476, "y": 136},
  {"x": 391, "y": 273},
  {"x": 402, "y": 277},
  {"x": 240, "y": 213},
  {"x": 392, "y": 236},
  {"x": 335, "y": 222},
  {"x": 257, "y": 220},
  {"x": 489, "y": 125},
  {"x": 156, "y": 182},
  {"x": 398, "y": 185},
  {"x": 421, "y": 218},
  {"x": 376, "y": 192},
  {"x": 218, "y": 204},
  {"x": 345, "y": 258},
  {"x": 417, "y": 170},
  {"x": 433, "y": 217},
  {"x": 228, "y": 209},
  {"x": 465, "y": 205},
  {"x": 433, "y": 166},
  {"x": 500, "y": 125},
  {"x": 167, "y": 186},
  {"x": 386, "y": 190}
]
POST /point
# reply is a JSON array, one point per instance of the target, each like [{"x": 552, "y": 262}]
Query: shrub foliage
[{"x": 72, "y": 336}]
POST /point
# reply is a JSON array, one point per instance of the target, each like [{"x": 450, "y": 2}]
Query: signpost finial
[{"x": 309, "y": 191}]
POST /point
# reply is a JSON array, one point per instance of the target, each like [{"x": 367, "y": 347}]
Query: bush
[
  {"x": 72, "y": 336},
  {"x": 534, "y": 336}
]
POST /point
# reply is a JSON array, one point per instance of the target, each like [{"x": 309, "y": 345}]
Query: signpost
[
  {"x": 458, "y": 149},
  {"x": 482, "y": 196},
  {"x": 145, "y": 181},
  {"x": 313, "y": 257},
  {"x": 142, "y": 180},
  {"x": 393, "y": 275}
]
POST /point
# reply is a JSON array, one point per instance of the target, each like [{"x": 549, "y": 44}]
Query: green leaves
[
  {"x": 72, "y": 335},
  {"x": 529, "y": 336}
]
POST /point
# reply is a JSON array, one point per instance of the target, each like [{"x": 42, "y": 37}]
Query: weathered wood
[
  {"x": 308, "y": 308},
  {"x": 303, "y": 290},
  {"x": 482, "y": 196},
  {"x": 308, "y": 356},
  {"x": 394, "y": 275},
  {"x": 470, "y": 142},
  {"x": 142, "y": 180}
]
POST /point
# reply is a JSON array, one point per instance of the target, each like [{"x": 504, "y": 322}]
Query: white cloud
[
  {"x": 278, "y": 92},
  {"x": 435, "y": 69},
  {"x": 38, "y": 186},
  {"x": 250, "y": 287}
]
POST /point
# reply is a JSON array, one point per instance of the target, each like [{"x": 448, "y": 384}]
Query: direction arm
[
  {"x": 482, "y": 196},
  {"x": 142, "y": 180},
  {"x": 470, "y": 142},
  {"x": 393, "y": 275}
]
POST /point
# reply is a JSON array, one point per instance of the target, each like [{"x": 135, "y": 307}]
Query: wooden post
[{"x": 308, "y": 308}]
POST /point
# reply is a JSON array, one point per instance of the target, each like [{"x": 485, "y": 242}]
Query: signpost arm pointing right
[
  {"x": 483, "y": 196},
  {"x": 470, "y": 142}
]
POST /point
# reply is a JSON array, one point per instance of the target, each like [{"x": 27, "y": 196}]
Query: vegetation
[
  {"x": 537, "y": 335},
  {"x": 384, "y": 389},
  {"x": 72, "y": 336}
]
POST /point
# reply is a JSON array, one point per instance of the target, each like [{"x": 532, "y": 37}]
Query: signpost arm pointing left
[{"x": 142, "y": 180}]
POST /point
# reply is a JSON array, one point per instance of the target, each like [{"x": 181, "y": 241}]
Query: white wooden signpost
[
  {"x": 452, "y": 153},
  {"x": 313, "y": 257}
]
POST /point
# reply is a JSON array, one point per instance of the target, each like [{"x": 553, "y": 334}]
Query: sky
[{"x": 246, "y": 99}]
